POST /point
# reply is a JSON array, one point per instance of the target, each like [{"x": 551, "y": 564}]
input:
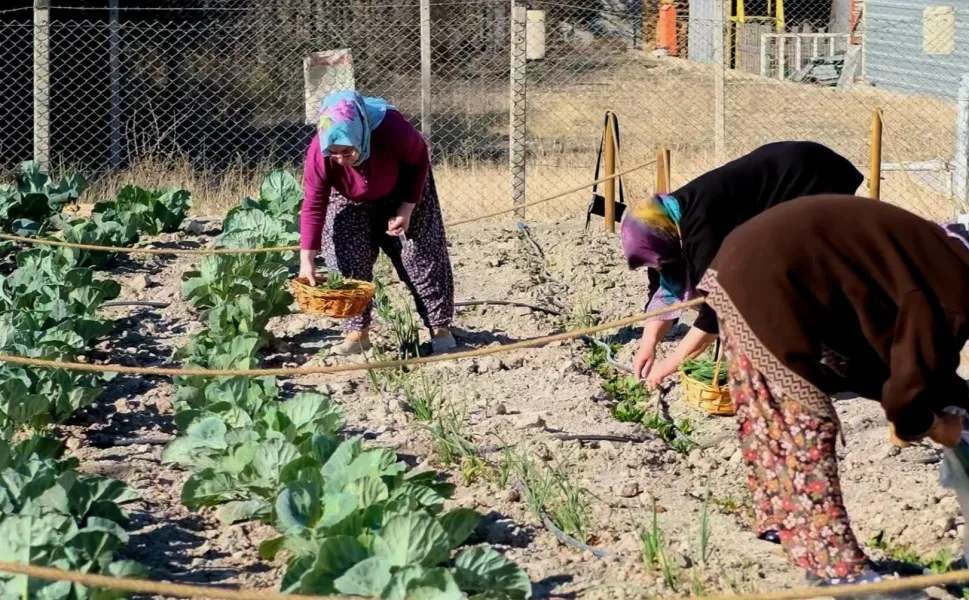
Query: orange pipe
[{"x": 666, "y": 27}]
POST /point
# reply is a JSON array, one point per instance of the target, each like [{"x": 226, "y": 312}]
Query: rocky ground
[{"x": 523, "y": 400}]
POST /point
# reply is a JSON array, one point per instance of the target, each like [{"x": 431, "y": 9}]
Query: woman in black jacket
[{"x": 676, "y": 235}]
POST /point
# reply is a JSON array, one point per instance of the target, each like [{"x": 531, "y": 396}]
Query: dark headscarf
[{"x": 715, "y": 203}]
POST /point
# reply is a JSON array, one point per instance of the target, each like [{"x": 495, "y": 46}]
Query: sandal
[{"x": 356, "y": 342}]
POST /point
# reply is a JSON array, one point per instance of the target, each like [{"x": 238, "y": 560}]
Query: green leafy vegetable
[{"x": 703, "y": 370}]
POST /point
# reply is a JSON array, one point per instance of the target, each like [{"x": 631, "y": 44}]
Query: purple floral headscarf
[{"x": 651, "y": 238}]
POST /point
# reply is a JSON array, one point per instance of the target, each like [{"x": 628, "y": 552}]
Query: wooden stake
[
  {"x": 662, "y": 170},
  {"x": 609, "y": 187},
  {"x": 875, "y": 158}
]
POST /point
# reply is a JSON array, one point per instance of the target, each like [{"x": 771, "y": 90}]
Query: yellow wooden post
[
  {"x": 662, "y": 170},
  {"x": 609, "y": 186},
  {"x": 875, "y": 158},
  {"x": 668, "y": 169}
]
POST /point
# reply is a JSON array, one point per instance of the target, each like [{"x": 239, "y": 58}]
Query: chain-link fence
[{"x": 211, "y": 94}]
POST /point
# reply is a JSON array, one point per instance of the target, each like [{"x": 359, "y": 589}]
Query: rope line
[
  {"x": 208, "y": 251},
  {"x": 345, "y": 368},
  {"x": 145, "y": 586}
]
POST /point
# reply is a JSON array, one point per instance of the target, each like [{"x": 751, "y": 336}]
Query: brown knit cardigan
[{"x": 833, "y": 294}]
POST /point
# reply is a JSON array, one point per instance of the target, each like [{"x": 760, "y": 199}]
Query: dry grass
[{"x": 660, "y": 103}]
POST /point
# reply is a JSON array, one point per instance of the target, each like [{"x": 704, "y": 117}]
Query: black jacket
[{"x": 715, "y": 203}]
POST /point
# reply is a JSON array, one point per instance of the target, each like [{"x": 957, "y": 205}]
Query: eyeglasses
[{"x": 348, "y": 153}]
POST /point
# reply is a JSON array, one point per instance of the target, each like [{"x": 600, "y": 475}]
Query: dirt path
[{"x": 523, "y": 399}]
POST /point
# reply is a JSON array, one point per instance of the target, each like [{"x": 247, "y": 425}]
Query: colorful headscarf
[
  {"x": 650, "y": 234},
  {"x": 651, "y": 238},
  {"x": 347, "y": 119}
]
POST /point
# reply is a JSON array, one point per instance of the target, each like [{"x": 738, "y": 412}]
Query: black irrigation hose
[
  {"x": 136, "y": 303},
  {"x": 561, "y": 535},
  {"x": 659, "y": 397},
  {"x": 578, "y": 437},
  {"x": 609, "y": 359},
  {"x": 541, "y": 309}
]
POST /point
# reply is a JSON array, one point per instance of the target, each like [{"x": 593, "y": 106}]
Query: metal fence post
[
  {"x": 961, "y": 175},
  {"x": 42, "y": 82},
  {"x": 426, "y": 68},
  {"x": 719, "y": 84},
  {"x": 516, "y": 134},
  {"x": 114, "y": 66},
  {"x": 875, "y": 156}
]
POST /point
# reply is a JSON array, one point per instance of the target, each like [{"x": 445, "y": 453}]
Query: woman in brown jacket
[{"x": 826, "y": 295}]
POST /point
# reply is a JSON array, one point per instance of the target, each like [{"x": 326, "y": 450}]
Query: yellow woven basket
[
  {"x": 337, "y": 304},
  {"x": 712, "y": 398}
]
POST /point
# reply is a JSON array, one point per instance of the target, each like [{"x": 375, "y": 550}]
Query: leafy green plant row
[
  {"x": 350, "y": 519},
  {"x": 632, "y": 402},
  {"x": 48, "y": 310},
  {"x": 34, "y": 205},
  {"x": 53, "y": 516}
]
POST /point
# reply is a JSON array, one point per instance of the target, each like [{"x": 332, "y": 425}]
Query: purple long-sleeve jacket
[{"x": 396, "y": 171}]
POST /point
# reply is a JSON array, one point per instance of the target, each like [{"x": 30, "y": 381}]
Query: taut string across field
[
  {"x": 208, "y": 251},
  {"x": 345, "y": 368},
  {"x": 143, "y": 586}
]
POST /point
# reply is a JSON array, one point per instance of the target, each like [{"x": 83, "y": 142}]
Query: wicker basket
[
  {"x": 338, "y": 304},
  {"x": 712, "y": 398}
]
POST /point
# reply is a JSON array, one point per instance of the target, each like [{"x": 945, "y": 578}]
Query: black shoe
[{"x": 770, "y": 536}]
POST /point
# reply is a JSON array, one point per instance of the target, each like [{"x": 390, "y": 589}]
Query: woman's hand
[
  {"x": 946, "y": 430},
  {"x": 653, "y": 332},
  {"x": 307, "y": 266},
  {"x": 644, "y": 359},
  {"x": 661, "y": 371},
  {"x": 400, "y": 223}
]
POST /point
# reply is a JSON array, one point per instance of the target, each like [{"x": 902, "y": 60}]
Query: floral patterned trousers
[
  {"x": 792, "y": 470},
  {"x": 354, "y": 233}
]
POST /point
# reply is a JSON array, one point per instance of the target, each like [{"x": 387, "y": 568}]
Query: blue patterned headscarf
[
  {"x": 347, "y": 119},
  {"x": 651, "y": 238}
]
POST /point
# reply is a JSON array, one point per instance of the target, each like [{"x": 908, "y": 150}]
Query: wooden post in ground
[
  {"x": 875, "y": 158},
  {"x": 609, "y": 164},
  {"x": 662, "y": 170}
]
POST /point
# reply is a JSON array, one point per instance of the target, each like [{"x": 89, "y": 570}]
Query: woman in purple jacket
[{"x": 368, "y": 182}]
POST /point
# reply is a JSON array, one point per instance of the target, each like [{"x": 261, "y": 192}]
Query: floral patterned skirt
[{"x": 792, "y": 470}]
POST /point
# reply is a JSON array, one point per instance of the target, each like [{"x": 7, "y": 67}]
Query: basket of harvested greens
[
  {"x": 705, "y": 384},
  {"x": 333, "y": 296}
]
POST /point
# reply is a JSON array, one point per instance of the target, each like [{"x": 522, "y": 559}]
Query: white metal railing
[{"x": 821, "y": 44}]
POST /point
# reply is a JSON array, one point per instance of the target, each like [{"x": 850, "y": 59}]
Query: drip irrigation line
[
  {"x": 561, "y": 535},
  {"x": 609, "y": 358},
  {"x": 146, "y": 303},
  {"x": 548, "y": 311},
  {"x": 577, "y": 437}
]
